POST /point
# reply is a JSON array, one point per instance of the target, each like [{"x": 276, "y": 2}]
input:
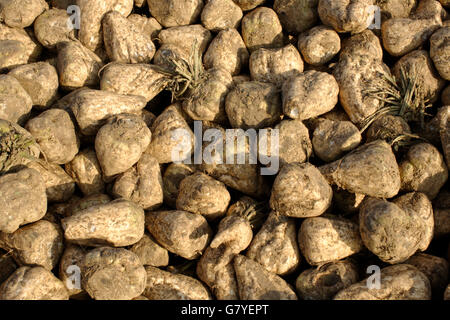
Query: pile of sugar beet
[{"x": 93, "y": 92}]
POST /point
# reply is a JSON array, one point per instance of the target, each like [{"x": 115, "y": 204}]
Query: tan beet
[
  {"x": 423, "y": 170},
  {"x": 172, "y": 178},
  {"x": 20, "y": 13},
  {"x": 59, "y": 185},
  {"x": 132, "y": 79},
  {"x": 298, "y": 15},
  {"x": 275, "y": 65},
  {"x": 70, "y": 268},
  {"x": 300, "y": 191},
  {"x": 51, "y": 28},
  {"x": 112, "y": 274},
  {"x": 346, "y": 16},
  {"x": 253, "y": 104},
  {"x": 319, "y": 45},
  {"x": 256, "y": 283},
  {"x": 261, "y": 28},
  {"x": 86, "y": 172},
  {"x": 388, "y": 231},
  {"x": 370, "y": 169},
  {"x": 332, "y": 139},
  {"x": 275, "y": 245},
  {"x": 77, "y": 66},
  {"x": 141, "y": 184},
  {"x": 23, "y": 199},
  {"x": 33, "y": 283},
  {"x": 55, "y": 133},
  {"x": 435, "y": 268},
  {"x": 163, "y": 285},
  {"x": 15, "y": 102},
  {"x": 201, "y": 194},
  {"x": 323, "y": 282},
  {"x": 173, "y": 13},
  {"x": 92, "y": 108},
  {"x": 117, "y": 223},
  {"x": 150, "y": 253},
  {"x": 183, "y": 233},
  {"x": 328, "y": 238},
  {"x": 39, "y": 243},
  {"x": 309, "y": 95},
  {"x": 218, "y": 15},
  {"x": 124, "y": 42},
  {"x": 399, "y": 282},
  {"x": 40, "y": 80},
  {"x": 227, "y": 51}
]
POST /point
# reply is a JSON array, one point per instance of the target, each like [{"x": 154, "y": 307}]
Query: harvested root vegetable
[
  {"x": 33, "y": 283},
  {"x": 117, "y": 223},
  {"x": 172, "y": 138},
  {"x": 183, "y": 233},
  {"x": 17, "y": 47},
  {"x": 71, "y": 261},
  {"x": 389, "y": 231},
  {"x": 423, "y": 170},
  {"x": 141, "y": 184},
  {"x": 396, "y": 284},
  {"x": 253, "y": 104},
  {"x": 218, "y": 15},
  {"x": 439, "y": 49},
  {"x": 15, "y": 102},
  {"x": 346, "y": 16},
  {"x": 370, "y": 169},
  {"x": 23, "y": 199},
  {"x": 332, "y": 139},
  {"x": 328, "y": 238},
  {"x": 86, "y": 171},
  {"x": 36, "y": 244},
  {"x": 227, "y": 51},
  {"x": 112, "y": 274},
  {"x": 172, "y": 13},
  {"x": 77, "y": 66},
  {"x": 20, "y": 13},
  {"x": 133, "y": 79},
  {"x": 323, "y": 282},
  {"x": 92, "y": 108},
  {"x": 40, "y": 80},
  {"x": 51, "y": 28},
  {"x": 120, "y": 143},
  {"x": 300, "y": 191},
  {"x": 435, "y": 268},
  {"x": 360, "y": 64},
  {"x": 172, "y": 178},
  {"x": 275, "y": 245},
  {"x": 298, "y": 15},
  {"x": 441, "y": 206},
  {"x": 294, "y": 144},
  {"x": 150, "y": 253},
  {"x": 163, "y": 285},
  {"x": 199, "y": 193},
  {"x": 124, "y": 42},
  {"x": 59, "y": 185},
  {"x": 275, "y": 65},
  {"x": 261, "y": 28},
  {"x": 55, "y": 133},
  {"x": 90, "y": 33},
  {"x": 319, "y": 45},
  {"x": 256, "y": 283}
]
